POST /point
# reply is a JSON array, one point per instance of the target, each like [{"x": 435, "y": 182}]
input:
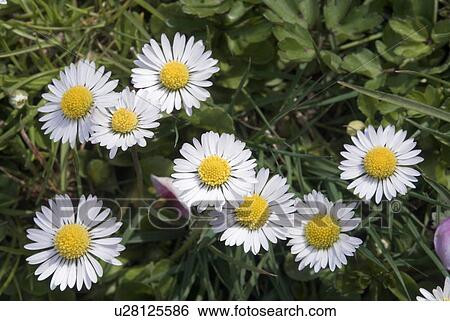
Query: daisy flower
[
  {"x": 177, "y": 74},
  {"x": 71, "y": 239},
  {"x": 379, "y": 163},
  {"x": 213, "y": 171},
  {"x": 126, "y": 123},
  {"x": 438, "y": 294},
  {"x": 318, "y": 238},
  {"x": 73, "y": 98},
  {"x": 263, "y": 215}
]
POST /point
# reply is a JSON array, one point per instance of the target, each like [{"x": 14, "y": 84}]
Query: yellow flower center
[
  {"x": 174, "y": 75},
  {"x": 76, "y": 102},
  {"x": 380, "y": 162},
  {"x": 322, "y": 231},
  {"x": 214, "y": 171},
  {"x": 124, "y": 121},
  {"x": 253, "y": 212},
  {"x": 72, "y": 241}
]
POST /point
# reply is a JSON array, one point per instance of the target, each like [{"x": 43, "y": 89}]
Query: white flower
[
  {"x": 127, "y": 122},
  {"x": 70, "y": 242},
  {"x": 176, "y": 74},
  {"x": 262, "y": 215},
  {"x": 213, "y": 171},
  {"x": 73, "y": 99},
  {"x": 3, "y": 2},
  {"x": 378, "y": 163},
  {"x": 318, "y": 237},
  {"x": 438, "y": 294}
]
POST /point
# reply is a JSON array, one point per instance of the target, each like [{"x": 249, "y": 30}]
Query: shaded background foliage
[{"x": 277, "y": 90}]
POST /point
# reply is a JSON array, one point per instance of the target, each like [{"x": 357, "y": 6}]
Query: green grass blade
[
  {"x": 401, "y": 101},
  {"x": 374, "y": 235}
]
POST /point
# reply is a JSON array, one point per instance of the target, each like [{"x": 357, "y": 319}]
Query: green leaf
[
  {"x": 410, "y": 29},
  {"x": 202, "y": 8},
  {"x": 406, "y": 103},
  {"x": 365, "y": 62},
  {"x": 349, "y": 21},
  {"x": 413, "y": 50},
  {"x": 310, "y": 10},
  {"x": 175, "y": 20},
  {"x": 387, "y": 52},
  {"x": 441, "y": 32},
  {"x": 212, "y": 118},
  {"x": 332, "y": 60},
  {"x": 334, "y": 11},
  {"x": 238, "y": 9},
  {"x": 295, "y": 43},
  {"x": 98, "y": 171},
  {"x": 283, "y": 11},
  {"x": 156, "y": 165}
]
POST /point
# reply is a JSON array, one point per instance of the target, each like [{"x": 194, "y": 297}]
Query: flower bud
[
  {"x": 18, "y": 98},
  {"x": 354, "y": 126},
  {"x": 165, "y": 189},
  {"x": 442, "y": 242}
]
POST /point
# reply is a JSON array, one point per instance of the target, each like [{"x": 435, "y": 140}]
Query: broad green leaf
[
  {"x": 334, "y": 11},
  {"x": 406, "y": 103},
  {"x": 310, "y": 10},
  {"x": 357, "y": 21},
  {"x": 295, "y": 43},
  {"x": 414, "y": 8},
  {"x": 251, "y": 31},
  {"x": 413, "y": 50},
  {"x": 212, "y": 118},
  {"x": 347, "y": 20},
  {"x": 283, "y": 11},
  {"x": 364, "y": 62},
  {"x": 441, "y": 32},
  {"x": 387, "y": 52},
  {"x": 204, "y": 9},
  {"x": 237, "y": 10},
  {"x": 175, "y": 20},
  {"x": 332, "y": 60},
  {"x": 410, "y": 29},
  {"x": 99, "y": 171},
  {"x": 155, "y": 165}
]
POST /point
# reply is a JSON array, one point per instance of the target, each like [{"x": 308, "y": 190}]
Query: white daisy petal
[
  {"x": 263, "y": 214},
  {"x": 437, "y": 294},
  {"x": 318, "y": 239},
  {"x": 177, "y": 74},
  {"x": 378, "y": 163},
  {"x": 213, "y": 171},
  {"x": 71, "y": 241},
  {"x": 81, "y": 91},
  {"x": 123, "y": 124}
]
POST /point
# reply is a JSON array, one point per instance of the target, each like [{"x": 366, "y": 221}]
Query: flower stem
[
  {"x": 77, "y": 172},
  {"x": 138, "y": 170}
]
